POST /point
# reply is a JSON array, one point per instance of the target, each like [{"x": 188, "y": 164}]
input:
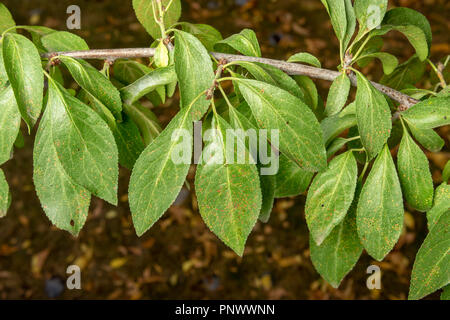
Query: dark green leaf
[
  {"x": 441, "y": 205},
  {"x": 291, "y": 180},
  {"x": 65, "y": 202},
  {"x": 445, "y": 295},
  {"x": 338, "y": 95},
  {"x": 23, "y": 66},
  {"x": 430, "y": 271},
  {"x": 380, "y": 207},
  {"x": 389, "y": 61},
  {"x": 95, "y": 83},
  {"x": 340, "y": 251},
  {"x": 84, "y": 144},
  {"x": 335, "y": 125},
  {"x": 406, "y": 74},
  {"x": 144, "y": 13},
  {"x": 427, "y": 138},
  {"x": 299, "y": 131},
  {"x": 244, "y": 42},
  {"x": 428, "y": 114},
  {"x": 228, "y": 194},
  {"x": 63, "y": 41},
  {"x": 335, "y": 146},
  {"x": 5, "y": 196},
  {"x": 370, "y": 13},
  {"x": 337, "y": 11},
  {"x": 268, "y": 184},
  {"x": 330, "y": 196},
  {"x": 446, "y": 172},
  {"x": 207, "y": 35},
  {"x": 305, "y": 57},
  {"x": 9, "y": 122},
  {"x": 146, "y": 121},
  {"x": 373, "y": 117},
  {"x": 415, "y": 175}
]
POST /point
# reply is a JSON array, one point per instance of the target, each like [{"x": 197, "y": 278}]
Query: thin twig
[{"x": 290, "y": 68}]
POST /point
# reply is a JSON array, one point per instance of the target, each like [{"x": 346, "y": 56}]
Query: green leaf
[
  {"x": 430, "y": 270},
  {"x": 244, "y": 42},
  {"x": 389, "y": 61},
  {"x": 337, "y": 11},
  {"x": 427, "y": 138},
  {"x": 207, "y": 35},
  {"x": 406, "y": 74},
  {"x": 441, "y": 205},
  {"x": 446, "y": 172},
  {"x": 415, "y": 175},
  {"x": 5, "y": 195},
  {"x": 305, "y": 57},
  {"x": 335, "y": 146},
  {"x": 6, "y": 19},
  {"x": 65, "y": 202},
  {"x": 148, "y": 83},
  {"x": 340, "y": 251},
  {"x": 373, "y": 117},
  {"x": 191, "y": 58},
  {"x": 380, "y": 208},
  {"x": 336, "y": 124},
  {"x": 299, "y": 131},
  {"x": 291, "y": 180},
  {"x": 146, "y": 121},
  {"x": 338, "y": 95},
  {"x": 268, "y": 183},
  {"x": 84, "y": 144},
  {"x": 95, "y": 83},
  {"x": 330, "y": 196},
  {"x": 409, "y": 17},
  {"x": 351, "y": 23},
  {"x": 445, "y": 295},
  {"x": 144, "y": 13},
  {"x": 23, "y": 66},
  {"x": 428, "y": 114},
  {"x": 161, "y": 56},
  {"x": 310, "y": 93},
  {"x": 370, "y": 13},
  {"x": 228, "y": 194},
  {"x": 63, "y": 41},
  {"x": 9, "y": 122}
]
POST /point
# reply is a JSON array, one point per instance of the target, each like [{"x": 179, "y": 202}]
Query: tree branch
[{"x": 290, "y": 68}]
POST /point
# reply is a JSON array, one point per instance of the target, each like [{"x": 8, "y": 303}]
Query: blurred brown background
[{"x": 179, "y": 258}]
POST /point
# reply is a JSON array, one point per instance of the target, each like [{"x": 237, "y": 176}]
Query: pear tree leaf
[
  {"x": 380, "y": 207},
  {"x": 65, "y": 202},
  {"x": 299, "y": 131},
  {"x": 370, "y": 13},
  {"x": 23, "y": 66},
  {"x": 373, "y": 117},
  {"x": 336, "y": 124},
  {"x": 446, "y": 172},
  {"x": 305, "y": 57},
  {"x": 311, "y": 96},
  {"x": 441, "y": 204},
  {"x": 146, "y": 121},
  {"x": 428, "y": 138},
  {"x": 5, "y": 195},
  {"x": 430, "y": 270},
  {"x": 63, "y": 41},
  {"x": 9, "y": 122},
  {"x": 291, "y": 180},
  {"x": 389, "y": 61},
  {"x": 268, "y": 184},
  {"x": 244, "y": 42},
  {"x": 6, "y": 19},
  {"x": 337, "y": 12},
  {"x": 84, "y": 143},
  {"x": 335, "y": 146},
  {"x": 228, "y": 193},
  {"x": 340, "y": 251},
  {"x": 406, "y": 74},
  {"x": 338, "y": 94},
  {"x": 144, "y": 12},
  {"x": 330, "y": 196},
  {"x": 207, "y": 35},
  {"x": 415, "y": 175},
  {"x": 429, "y": 114}
]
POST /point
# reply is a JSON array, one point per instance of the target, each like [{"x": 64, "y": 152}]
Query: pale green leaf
[
  {"x": 370, "y": 13},
  {"x": 146, "y": 121},
  {"x": 5, "y": 195},
  {"x": 335, "y": 146},
  {"x": 445, "y": 295},
  {"x": 244, "y": 42},
  {"x": 305, "y": 57},
  {"x": 336, "y": 124},
  {"x": 373, "y": 117},
  {"x": 291, "y": 180},
  {"x": 95, "y": 83},
  {"x": 414, "y": 173},
  {"x": 84, "y": 144},
  {"x": 330, "y": 196},
  {"x": 441, "y": 205},
  {"x": 228, "y": 194},
  {"x": 432, "y": 264},
  {"x": 446, "y": 172},
  {"x": 207, "y": 35},
  {"x": 428, "y": 114},
  {"x": 340, "y": 251},
  {"x": 63, "y": 41},
  {"x": 268, "y": 184},
  {"x": 389, "y": 61},
  {"x": 161, "y": 56},
  {"x": 144, "y": 12},
  {"x": 380, "y": 207},
  {"x": 6, "y": 19},
  {"x": 23, "y": 66},
  {"x": 65, "y": 202},
  {"x": 299, "y": 131},
  {"x": 338, "y": 95},
  {"x": 9, "y": 122},
  {"x": 311, "y": 96},
  {"x": 428, "y": 138}
]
